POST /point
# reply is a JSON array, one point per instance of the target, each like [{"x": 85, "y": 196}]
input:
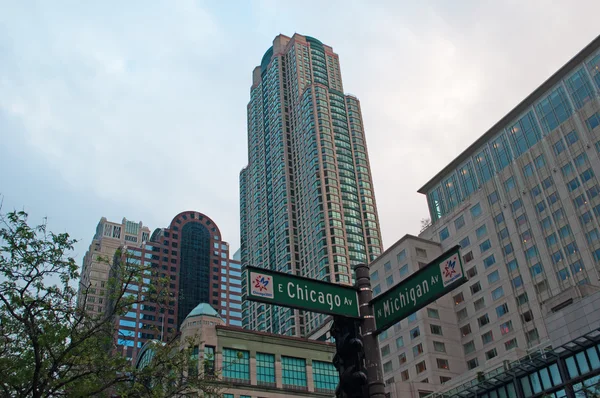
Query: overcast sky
[{"x": 137, "y": 109}]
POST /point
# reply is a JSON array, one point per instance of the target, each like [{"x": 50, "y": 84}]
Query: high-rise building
[
  {"x": 192, "y": 256},
  {"x": 96, "y": 261},
  {"x": 523, "y": 202},
  {"x": 306, "y": 196}
]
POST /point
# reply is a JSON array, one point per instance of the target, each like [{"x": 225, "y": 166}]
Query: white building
[{"x": 523, "y": 201}]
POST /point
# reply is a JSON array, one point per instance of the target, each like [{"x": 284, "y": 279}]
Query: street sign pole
[{"x": 373, "y": 365}]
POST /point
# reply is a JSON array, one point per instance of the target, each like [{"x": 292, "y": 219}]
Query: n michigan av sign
[{"x": 428, "y": 284}]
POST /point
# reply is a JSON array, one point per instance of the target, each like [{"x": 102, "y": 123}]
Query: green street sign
[
  {"x": 431, "y": 282},
  {"x": 293, "y": 291}
]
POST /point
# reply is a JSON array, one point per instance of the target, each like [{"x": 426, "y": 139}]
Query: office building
[
  {"x": 192, "y": 256},
  {"x": 307, "y": 205},
  {"x": 254, "y": 364},
  {"x": 523, "y": 202},
  {"x": 108, "y": 238}
]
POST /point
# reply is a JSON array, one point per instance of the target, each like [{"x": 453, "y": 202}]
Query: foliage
[{"x": 50, "y": 346}]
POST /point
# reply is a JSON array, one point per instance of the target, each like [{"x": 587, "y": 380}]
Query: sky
[{"x": 137, "y": 109}]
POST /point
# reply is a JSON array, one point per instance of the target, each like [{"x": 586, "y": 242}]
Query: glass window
[
  {"x": 412, "y": 317},
  {"x": 548, "y": 182},
  {"x": 476, "y": 211},
  {"x": 389, "y": 281},
  {"x": 438, "y": 346},
  {"x": 436, "y": 329},
  {"x": 404, "y": 270},
  {"x": 293, "y": 371},
  {"x": 472, "y": 363},
  {"x": 375, "y": 276},
  {"x": 401, "y": 256},
  {"x": 464, "y": 243},
  {"x": 414, "y": 333},
  {"x": 486, "y": 245},
  {"x": 501, "y": 310},
  {"x": 507, "y": 249},
  {"x": 535, "y": 191},
  {"x": 483, "y": 320},
  {"x": 459, "y": 298},
  {"x": 517, "y": 281},
  {"x": 553, "y": 110},
  {"x": 385, "y": 350},
  {"x": 512, "y": 265},
  {"x": 540, "y": 162},
  {"x": 483, "y": 166},
  {"x": 489, "y": 261},
  {"x": 503, "y": 234},
  {"x": 400, "y": 342},
  {"x": 325, "y": 376},
  {"x": 466, "y": 177},
  {"x": 387, "y": 367},
  {"x": 587, "y": 175},
  {"x": 493, "y": 198},
  {"x": 433, "y": 313},
  {"x": 479, "y": 304},
  {"x": 497, "y": 293},
  {"x": 487, "y": 338},
  {"x": 236, "y": 364},
  {"x": 265, "y": 368},
  {"x": 499, "y": 218},
  {"x": 528, "y": 170},
  {"x": 535, "y": 269},
  {"x": 417, "y": 350},
  {"x": 593, "y": 122},
  {"x": 481, "y": 231},
  {"x": 501, "y": 152},
  {"x": 559, "y": 147},
  {"x": 572, "y": 138},
  {"x": 493, "y": 277},
  {"x": 469, "y": 347},
  {"x": 442, "y": 363},
  {"x": 580, "y": 88},
  {"x": 444, "y": 234},
  {"x": 509, "y": 184},
  {"x": 387, "y": 266}
]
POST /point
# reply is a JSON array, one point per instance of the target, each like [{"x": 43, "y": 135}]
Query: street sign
[
  {"x": 298, "y": 292},
  {"x": 431, "y": 282}
]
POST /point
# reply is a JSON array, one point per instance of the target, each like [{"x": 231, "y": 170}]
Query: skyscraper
[
  {"x": 190, "y": 254},
  {"x": 306, "y": 196},
  {"x": 96, "y": 262}
]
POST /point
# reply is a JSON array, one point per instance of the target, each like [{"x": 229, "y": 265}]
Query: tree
[{"x": 50, "y": 346}]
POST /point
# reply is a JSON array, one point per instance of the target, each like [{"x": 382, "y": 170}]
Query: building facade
[
  {"x": 192, "y": 257},
  {"x": 252, "y": 364},
  {"x": 523, "y": 202},
  {"x": 307, "y": 205},
  {"x": 95, "y": 270}
]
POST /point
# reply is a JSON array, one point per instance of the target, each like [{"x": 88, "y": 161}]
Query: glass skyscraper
[{"x": 306, "y": 196}]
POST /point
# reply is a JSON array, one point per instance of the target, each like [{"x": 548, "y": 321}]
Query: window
[
  {"x": 404, "y": 375},
  {"x": 402, "y": 358},
  {"x": 417, "y": 350},
  {"x": 487, "y": 338},
  {"x": 548, "y": 182},
  {"x": 382, "y": 336},
  {"x": 539, "y": 162},
  {"x": 387, "y": 266},
  {"x": 531, "y": 253},
  {"x": 559, "y": 147},
  {"x": 483, "y": 320},
  {"x": 465, "y": 330},
  {"x": 486, "y": 245},
  {"x": 580, "y": 88},
  {"x": 421, "y": 252},
  {"x": 412, "y": 317},
  {"x": 579, "y": 201},
  {"x": 404, "y": 270},
  {"x": 571, "y": 138},
  {"x": 236, "y": 364},
  {"x": 475, "y": 288},
  {"x": 506, "y": 328},
  {"x": 387, "y": 367},
  {"x": 401, "y": 256},
  {"x": 421, "y": 367},
  {"x": 476, "y": 211},
  {"x": 562, "y": 274},
  {"x": 540, "y": 206},
  {"x": 509, "y": 184},
  {"x": 535, "y": 191},
  {"x": 293, "y": 372},
  {"x": 501, "y": 310},
  {"x": 464, "y": 243},
  {"x": 497, "y": 293},
  {"x": 576, "y": 267},
  {"x": 479, "y": 304},
  {"x": 581, "y": 160},
  {"x": 375, "y": 276},
  {"x": 459, "y": 298},
  {"x": 414, "y": 333},
  {"x": 433, "y": 313},
  {"x": 385, "y": 350},
  {"x": 499, "y": 218},
  {"x": 586, "y": 175},
  {"x": 444, "y": 234},
  {"x": 553, "y": 110},
  {"x": 442, "y": 363},
  {"x": 592, "y": 236},
  {"x": 535, "y": 269},
  {"x": 593, "y": 121},
  {"x": 493, "y": 198},
  {"x": 522, "y": 219},
  {"x": 472, "y": 364},
  {"x": 376, "y": 290},
  {"x": 400, "y": 342},
  {"x": 471, "y": 272},
  {"x": 459, "y": 222},
  {"x": 462, "y": 315},
  {"x": 444, "y": 379},
  {"x": 510, "y": 344},
  {"x": 265, "y": 368},
  {"x": 512, "y": 265},
  {"x": 469, "y": 347},
  {"x": 517, "y": 281},
  {"x": 528, "y": 170},
  {"x": 532, "y": 336},
  {"x": 489, "y": 261},
  {"x": 325, "y": 376},
  {"x": 481, "y": 231},
  {"x": 389, "y": 281},
  {"x": 507, "y": 249},
  {"x": 468, "y": 257},
  {"x": 436, "y": 329},
  {"x": 516, "y": 205},
  {"x": 503, "y": 234},
  {"x": 585, "y": 218},
  {"x": 491, "y": 354},
  {"x": 493, "y": 277}
]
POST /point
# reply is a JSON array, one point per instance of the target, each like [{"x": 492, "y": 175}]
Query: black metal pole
[{"x": 376, "y": 385}]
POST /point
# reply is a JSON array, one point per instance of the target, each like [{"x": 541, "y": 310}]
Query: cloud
[{"x": 142, "y": 105}]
